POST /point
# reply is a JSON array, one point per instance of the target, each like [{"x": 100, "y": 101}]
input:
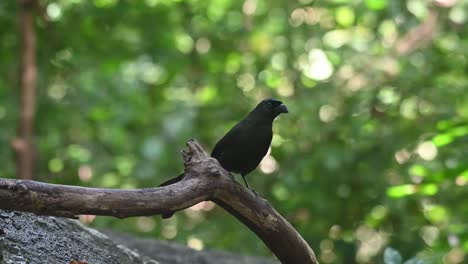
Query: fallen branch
[{"x": 204, "y": 180}]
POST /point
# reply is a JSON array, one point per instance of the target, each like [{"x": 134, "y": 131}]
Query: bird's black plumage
[{"x": 245, "y": 145}]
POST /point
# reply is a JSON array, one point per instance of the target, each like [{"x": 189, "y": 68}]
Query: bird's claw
[{"x": 254, "y": 192}]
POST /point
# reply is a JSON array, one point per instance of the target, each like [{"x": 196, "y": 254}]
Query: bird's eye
[{"x": 269, "y": 104}]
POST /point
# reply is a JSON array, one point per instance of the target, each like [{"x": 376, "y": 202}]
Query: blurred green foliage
[{"x": 372, "y": 155}]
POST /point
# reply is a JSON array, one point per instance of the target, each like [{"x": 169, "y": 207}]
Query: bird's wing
[
  {"x": 243, "y": 147},
  {"x": 232, "y": 139}
]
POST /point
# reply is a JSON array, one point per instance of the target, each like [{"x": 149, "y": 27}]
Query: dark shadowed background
[{"x": 374, "y": 151}]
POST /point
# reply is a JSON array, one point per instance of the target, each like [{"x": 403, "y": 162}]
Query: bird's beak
[{"x": 282, "y": 109}]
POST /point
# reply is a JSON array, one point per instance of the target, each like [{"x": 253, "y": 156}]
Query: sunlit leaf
[
  {"x": 417, "y": 8},
  {"x": 401, "y": 190},
  {"x": 56, "y": 165},
  {"x": 436, "y": 214},
  {"x": 444, "y": 124},
  {"x": 428, "y": 189},
  {"x": 207, "y": 94},
  {"x": 442, "y": 139},
  {"x": 418, "y": 170},
  {"x": 459, "y": 131},
  {"x": 78, "y": 153},
  {"x": 344, "y": 16},
  {"x": 376, "y": 4},
  {"x": 109, "y": 180}
]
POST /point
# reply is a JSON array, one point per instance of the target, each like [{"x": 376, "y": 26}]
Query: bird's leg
[{"x": 247, "y": 185}]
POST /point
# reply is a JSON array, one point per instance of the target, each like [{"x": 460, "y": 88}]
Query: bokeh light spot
[
  {"x": 318, "y": 66},
  {"x": 427, "y": 150}
]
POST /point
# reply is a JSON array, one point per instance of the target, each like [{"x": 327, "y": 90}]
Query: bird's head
[{"x": 271, "y": 107}]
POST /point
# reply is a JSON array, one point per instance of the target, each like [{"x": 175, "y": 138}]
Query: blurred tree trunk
[{"x": 23, "y": 143}]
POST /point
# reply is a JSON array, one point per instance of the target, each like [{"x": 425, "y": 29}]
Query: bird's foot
[
  {"x": 254, "y": 192},
  {"x": 231, "y": 175}
]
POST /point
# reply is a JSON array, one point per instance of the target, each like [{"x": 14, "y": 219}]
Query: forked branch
[{"x": 204, "y": 180}]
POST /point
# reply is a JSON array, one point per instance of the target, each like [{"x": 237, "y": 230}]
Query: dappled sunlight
[
  {"x": 85, "y": 173},
  {"x": 249, "y": 7},
  {"x": 55, "y": 165},
  {"x": 54, "y": 11},
  {"x": 427, "y": 150},
  {"x": 195, "y": 243},
  {"x": 184, "y": 42},
  {"x": 169, "y": 228},
  {"x": 281, "y": 193},
  {"x": 202, "y": 206},
  {"x": 246, "y": 82},
  {"x": 327, "y": 113},
  {"x": 145, "y": 224},
  {"x": 203, "y": 45},
  {"x": 143, "y": 69},
  {"x": 86, "y": 219},
  {"x": 317, "y": 66},
  {"x": 57, "y": 91},
  {"x": 327, "y": 251},
  {"x": 370, "y": 243},
  {"x": 462, "y": 180},
  {"x": 455, "y": 256},
  {"x": 402, "y": 156},
  {"x": 268, "y": 165},
  {"x": 430, "y": 234},
  {"x": 337, "y": 38}
]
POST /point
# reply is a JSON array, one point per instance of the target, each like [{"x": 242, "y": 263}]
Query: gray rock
[
  {"x": 171, "y": 253},
  {"x": 30, "y": 239}
]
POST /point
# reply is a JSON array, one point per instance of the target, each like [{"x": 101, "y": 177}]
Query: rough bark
[
  {"x": 204, "y": 180},
  {"x": 23, "y": 143}
]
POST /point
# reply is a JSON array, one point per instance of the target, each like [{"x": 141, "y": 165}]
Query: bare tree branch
[
  {"x": 204, "y": 180},
  {"x": 23, "y": 143},
  {"x": 418, "y": 36}
]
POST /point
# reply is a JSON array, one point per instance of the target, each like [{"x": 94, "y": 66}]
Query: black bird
[{"x": 245, "y": 145}]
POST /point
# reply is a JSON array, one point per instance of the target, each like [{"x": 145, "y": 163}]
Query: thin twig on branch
[{"x": 204, "y": 180}]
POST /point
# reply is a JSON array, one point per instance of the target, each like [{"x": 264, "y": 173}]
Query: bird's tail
[
  {"x": 168, "y": 214},
  {"x": 172, "y": 181}
]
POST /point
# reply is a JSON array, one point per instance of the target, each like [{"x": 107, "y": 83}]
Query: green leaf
[
  {"x": 207, "y": 94},
  {"x": 401, "y": 190},
  {"x": 376, "y": 4},
  {"x": 280, "y": 192},
  {"x": 442, "y": 139},
  {"x": 418, "y": 170},
  {"x": 429, "y": 189},
  {"x": 56, "y": 165},
  {"x": 345, "y": 16},
  {"x": 459, "y": 131},
  {"x": 436, "y": 214},
  {"x": 78, "y": 153}
]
